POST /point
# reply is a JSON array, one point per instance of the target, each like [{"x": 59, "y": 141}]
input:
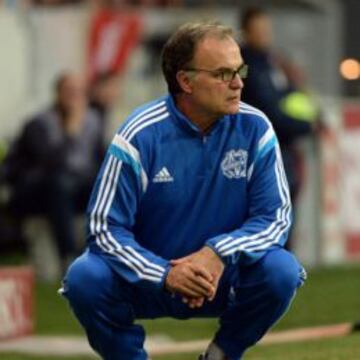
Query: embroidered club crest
[{"x": 234, "y": 164}]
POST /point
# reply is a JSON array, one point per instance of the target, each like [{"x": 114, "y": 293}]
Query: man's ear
[{"x": 184, "y": 81}]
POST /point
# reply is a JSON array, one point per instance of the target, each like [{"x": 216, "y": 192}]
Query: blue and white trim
[
  {"x": 148, "y": 117},
  {"x": 122, "y": 151},
  {"x": 126, "y": 152},
  {"x": 143, "y": 268},
  {"x": 266, "y": 142}
]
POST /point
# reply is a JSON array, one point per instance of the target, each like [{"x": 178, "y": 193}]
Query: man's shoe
[{"x": 213, "y": 352}]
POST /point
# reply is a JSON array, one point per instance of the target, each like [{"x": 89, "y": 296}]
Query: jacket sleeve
[
  {"x": 112, "y": 211},
  {"x": 269, "y": 208}
]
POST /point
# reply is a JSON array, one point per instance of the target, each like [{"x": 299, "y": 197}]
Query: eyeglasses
[{"x": 225, "y": 74}]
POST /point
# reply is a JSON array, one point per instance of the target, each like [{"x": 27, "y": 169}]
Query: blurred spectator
[
  {"x": 52, "y": 165},
  {"x": 276, "y": 86},
  {"x": 56, "y": 2},
  {"x": 103, "y": 94}
]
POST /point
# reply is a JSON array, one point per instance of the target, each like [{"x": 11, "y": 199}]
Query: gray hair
[{"x": 179, "y": 50}]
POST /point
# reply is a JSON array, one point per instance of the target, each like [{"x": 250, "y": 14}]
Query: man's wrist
[
  {"x": 164, "y": 282},
  {"x": 214, "y": 253}
]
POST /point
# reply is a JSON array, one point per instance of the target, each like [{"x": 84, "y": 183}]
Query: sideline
[{"x": 160, "y": 344}]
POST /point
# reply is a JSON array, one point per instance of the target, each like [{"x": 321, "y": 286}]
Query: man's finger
[
  {"x": 201, "y": 271},
  {"x": 208, "y": 287},
  {"x": 189, "y": 291},
  {"x": 200, "y": 288},
  {"x": 190, "y": 287},
  {"x": 197, "y": 303},
  {"x": 179, "y": 260},
  {"x": 216, "y": 284},
  {"x": 194, "y": 302}
]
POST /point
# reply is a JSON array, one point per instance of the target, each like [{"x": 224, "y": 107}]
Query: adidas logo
[{"x": 163, "y": 176}]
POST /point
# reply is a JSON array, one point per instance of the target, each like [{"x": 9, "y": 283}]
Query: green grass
[
  {"x": 346, "y": 348},
  {"x": 53, "y": 316},
  {"x": 329, "y": 296}
]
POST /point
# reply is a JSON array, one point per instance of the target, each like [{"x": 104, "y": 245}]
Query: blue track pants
[{"x": 249, "y": 301}]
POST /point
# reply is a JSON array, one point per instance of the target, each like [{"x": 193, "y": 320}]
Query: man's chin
[{"x": 233, "y": 109}]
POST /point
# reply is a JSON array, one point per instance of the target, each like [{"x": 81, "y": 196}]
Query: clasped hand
[{"x": 195, "y": 276}]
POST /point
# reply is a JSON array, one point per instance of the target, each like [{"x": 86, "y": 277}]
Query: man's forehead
[{"x": 218, "y": 52}]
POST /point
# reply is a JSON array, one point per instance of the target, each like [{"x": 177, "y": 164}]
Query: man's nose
[{"x": 237, "y": 82}]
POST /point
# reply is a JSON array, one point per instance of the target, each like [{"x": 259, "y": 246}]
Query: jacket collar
[{"x": 185, "y": 123}]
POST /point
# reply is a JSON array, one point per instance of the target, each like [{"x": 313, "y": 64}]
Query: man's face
[
  {"x": 209, "y": 91},
  {"x": 107, "y": 92},
  {"x": 71, "y": 92},
  {"x": 259, "y": 32}
]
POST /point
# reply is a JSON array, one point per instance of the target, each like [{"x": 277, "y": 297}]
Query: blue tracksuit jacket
[{"x": 165, "y": 190}]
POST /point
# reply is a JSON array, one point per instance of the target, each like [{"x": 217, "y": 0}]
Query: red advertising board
[
  {"x": 113, "y": 35},
  {"x": 16, "y": 301}
]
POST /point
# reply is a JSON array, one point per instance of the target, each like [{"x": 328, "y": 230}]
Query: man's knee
[
  {"x": 283, "y": 274},
  {"x": 86, "y": 281},
  {"x": 96, "y": 294}
]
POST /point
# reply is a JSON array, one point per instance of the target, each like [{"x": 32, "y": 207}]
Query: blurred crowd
[
  {"x": 52, "y": 163},
  {"x": 105, "y": 3}
]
